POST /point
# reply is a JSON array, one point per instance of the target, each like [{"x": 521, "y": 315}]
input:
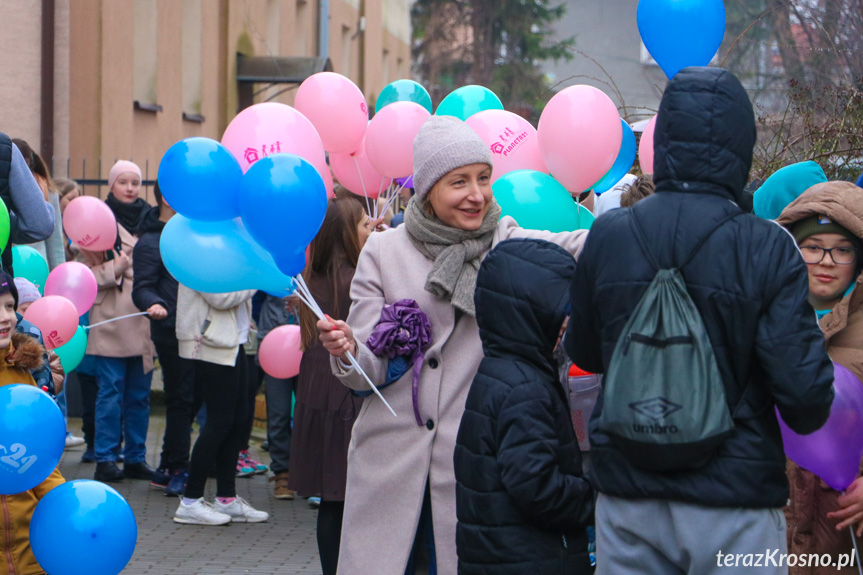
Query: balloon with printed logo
[
  {"x": 645, "y": 147},
  {"x": 356, "y": 173},
  {"x": 90, "y": 223},
  {"x": 218, "y": 257},
  {"x": 537, "y": 202},
  {"x": 270, "y": 128},
  {"x": 280, "y": 353},
  {"x": 834, "y": 451},
  {"x": 390, "y": 138},
  {"x": 74, "y": 281},
  {"x": 98, "y": 528},
  {"x": 29, "y": 264},
  {"x": 681, "y": 33},
  {"x": 56, "y": 317},
  {"x": 199, "y": 178},
  {"x": 72, "y": 352},
  {"x": 403, "y": 91},
  {"x": 512, "y": 140},
  {"x": 32, "y": 437},
  {"x": 283, "y": 202},
  {"x": 623, "y": 163},
  {"x": 579, "y": 136},
  {"x": 466, "y": 101},
  {"x": 336, "y": 108}
]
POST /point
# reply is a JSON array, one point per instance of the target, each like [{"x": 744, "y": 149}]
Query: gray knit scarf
[{"x": 456, "y": 253}]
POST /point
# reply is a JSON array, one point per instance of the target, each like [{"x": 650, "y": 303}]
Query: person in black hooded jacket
[
  {"x": 521, "y": 501},
  {"x": 750, "y": 286},
  {"x": 155, "y": 291}
]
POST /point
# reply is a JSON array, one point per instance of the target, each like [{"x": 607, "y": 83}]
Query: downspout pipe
[
  {"x": 324, "y": 30},
  {"x": 46, "y": 140}
]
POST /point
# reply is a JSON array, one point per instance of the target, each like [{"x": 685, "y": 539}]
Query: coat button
[
  {"x": 430, "y": 424},
  {"x": 433, "y": 363}
]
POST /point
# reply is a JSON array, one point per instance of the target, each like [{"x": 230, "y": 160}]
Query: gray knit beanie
[{"x": 443, "y": 144}]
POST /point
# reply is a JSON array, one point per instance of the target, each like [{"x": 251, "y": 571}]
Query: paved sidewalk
[{"x": 285, "y": 544}]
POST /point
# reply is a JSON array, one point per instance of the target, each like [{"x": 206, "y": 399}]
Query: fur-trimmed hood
[{"x": 25, "y": 353}]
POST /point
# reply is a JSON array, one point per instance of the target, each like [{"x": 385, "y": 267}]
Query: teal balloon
[
  {"x": 72, "y": 352},
  {"x": 538, "y": 202},
  {"x": 403, "y": 91},
  {"x": 467, "y": 101},
  {"x": 585, "y": 218},
  {"x": 28, "y": 263}
]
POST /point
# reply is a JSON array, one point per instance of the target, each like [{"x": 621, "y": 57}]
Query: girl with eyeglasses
[{"x": 827, "y": 223}]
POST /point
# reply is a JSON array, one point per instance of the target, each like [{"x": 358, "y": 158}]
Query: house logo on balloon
[
  {"x": 508, "y": 142},
  {"x": 251, "y": 154}
]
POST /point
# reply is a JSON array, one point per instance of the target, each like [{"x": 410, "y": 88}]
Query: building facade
[{"x": 90, "y": 81}]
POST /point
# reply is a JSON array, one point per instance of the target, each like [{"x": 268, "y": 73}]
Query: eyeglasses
[{"x": 841, "y": 256}]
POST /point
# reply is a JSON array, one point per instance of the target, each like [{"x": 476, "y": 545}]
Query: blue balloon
[
  {"x": 83, "y": 527},
  {"x": 218, "y": 257},
  {"x": 200, "y": 179},
  {"x": 32, "y": 437},
  {"x": 681, "y": 33},
  {"x": 623, "y": 163},
  {"x": 283, "y": 202}
]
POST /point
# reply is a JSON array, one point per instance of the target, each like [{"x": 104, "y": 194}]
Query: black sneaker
[
  {"x": 177, "y": 486},
  {"x": 265, "y": 446},
  {"x": 161, "y": 477},
  {"x": 108, "y": 472},
  {"x": 139, "y": 470}
]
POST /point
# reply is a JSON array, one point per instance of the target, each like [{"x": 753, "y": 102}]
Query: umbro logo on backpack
[{"x": 657, "y": 408}]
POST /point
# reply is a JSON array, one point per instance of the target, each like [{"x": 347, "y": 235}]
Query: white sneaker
[
  {"x": 72, "y": 441},
  {"x": 200, "y": 513},
  {"x": 240, "y": 511}
]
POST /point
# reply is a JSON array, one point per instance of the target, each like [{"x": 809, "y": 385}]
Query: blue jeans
[{"x": 122, "y": 408}]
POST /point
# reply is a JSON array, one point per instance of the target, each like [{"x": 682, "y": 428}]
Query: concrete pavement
[{"x": 285, "y": 544}]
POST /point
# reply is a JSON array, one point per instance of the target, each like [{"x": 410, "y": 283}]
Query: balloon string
[
  {"x": 363, "y": 183},
  {"x": 114, "y": 319},
  {"x": 302, "y": 291},
  {"x": 856, "y": 551}
]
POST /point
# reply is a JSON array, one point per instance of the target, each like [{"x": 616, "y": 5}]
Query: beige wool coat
[
  {"x": 390, "y": 458},
  {"x": 127, "y": 337}
]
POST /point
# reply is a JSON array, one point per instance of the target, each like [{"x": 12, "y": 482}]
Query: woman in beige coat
[
  {"x": 401, "y": 483},
  {"x": 123, "y": 350}
]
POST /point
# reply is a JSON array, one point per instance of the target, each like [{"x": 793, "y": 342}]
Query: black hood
[
  {"x": 522, "y": 295},
  {"x": 149, "y": 221},
  {"x": 705, "y": 133}
]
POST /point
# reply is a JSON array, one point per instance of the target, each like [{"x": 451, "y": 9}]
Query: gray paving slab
[{"x": 285, "y": 544}]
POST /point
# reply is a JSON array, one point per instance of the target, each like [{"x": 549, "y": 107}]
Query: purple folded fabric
[{"x": 403, "y": 331}]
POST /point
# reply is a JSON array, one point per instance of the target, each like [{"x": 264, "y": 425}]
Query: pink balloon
[
  {"x": 336, "y": 108},
  {"x": 75, "y": 282},
  {"x": 645, "y": 147},
  {"x": 390, "y": 138},
  {"x": 280, "y": 353},
  {"x": 90, "y": 223},
  {"x": 357, "y": 174},
  {"x": 271, "y": 128},
  {"x": 513, "y": 142},
  {"x": 55, "y": 316},
  {"x": 579, "y": 136},
  {"x": 833, "y": 452}
]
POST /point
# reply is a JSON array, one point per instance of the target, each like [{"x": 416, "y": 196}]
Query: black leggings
[
  {"x": 329, "y": 534},
  {"x": 226, "y": 397}
]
